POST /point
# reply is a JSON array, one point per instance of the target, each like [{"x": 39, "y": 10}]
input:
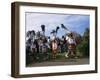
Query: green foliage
[{"x": 83, "y": 47}]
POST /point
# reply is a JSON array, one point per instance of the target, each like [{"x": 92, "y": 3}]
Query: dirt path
[{"x": 61, "y": 62}]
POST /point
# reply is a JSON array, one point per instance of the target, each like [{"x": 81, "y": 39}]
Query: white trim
[{"x": 51, "y": 69}]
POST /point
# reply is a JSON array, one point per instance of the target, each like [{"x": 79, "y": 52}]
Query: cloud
[{"x": 51, "y": 21}]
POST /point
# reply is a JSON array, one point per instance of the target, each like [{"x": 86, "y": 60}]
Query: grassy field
[{"x": 60, "y": 60}]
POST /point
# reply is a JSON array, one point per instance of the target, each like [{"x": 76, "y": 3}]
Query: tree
[
  {"x": 78, "y": 37},
  {"x": 86, "y": 35},
  {"x": 83, "y": 47}
]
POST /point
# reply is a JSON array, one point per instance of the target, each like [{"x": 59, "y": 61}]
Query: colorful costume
[
  {"x": 54, "y": 48},
  {"x": 71, "y": 45}
]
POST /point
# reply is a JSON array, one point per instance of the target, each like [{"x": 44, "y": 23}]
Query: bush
[{"x": 83, "y": 48}]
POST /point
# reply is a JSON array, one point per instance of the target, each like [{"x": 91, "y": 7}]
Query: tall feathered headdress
[
  {"x": 28, "y": 33},
  {"x": 53, "y": 31},
  {"x": 57, "y": 28},
  {"x": 33, "y": 32},
  {"x": 43, "y": 28},
  {"x": 62, "y": 25}
]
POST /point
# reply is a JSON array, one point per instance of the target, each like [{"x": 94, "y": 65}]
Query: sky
[{"x": 74, "y": 22}]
